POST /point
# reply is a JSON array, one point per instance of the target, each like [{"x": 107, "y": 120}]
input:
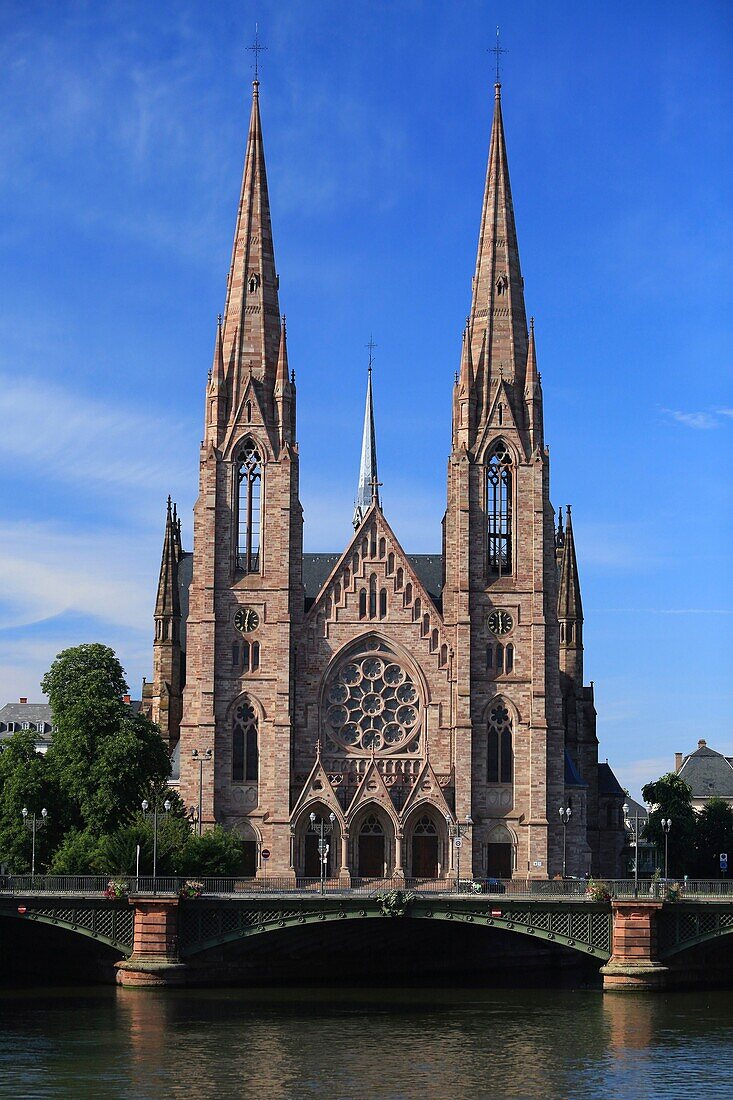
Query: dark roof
[
  {"x": 318, "y": 567},
  {"x": 636, "y": 809},
  {"x": 26, "y": 712},
  {"x": 572, "y": 775},
  {"x": 608, "y": 783},
  {"x": 316, "y": 570},
  {"x": 708, "y": 773}
]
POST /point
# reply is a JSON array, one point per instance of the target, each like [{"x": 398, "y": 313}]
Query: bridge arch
[{"x": 108, "y": 923}]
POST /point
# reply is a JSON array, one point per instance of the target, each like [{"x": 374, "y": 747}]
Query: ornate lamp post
[
  {"x": 201, "y": 757},
  {"x": 632, "y": 824},
  {"x": 145, "y": 808},
  {"x": 565, "y": 814},
  {"x": 34, "y": 823},
  {"x": 322, "y": 829},
  {"x": 666, "y": 826},
  {"x": 456, "y": 831}
]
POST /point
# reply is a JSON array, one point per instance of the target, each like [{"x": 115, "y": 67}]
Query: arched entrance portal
[
  {"x": 425, "y": 848},
  {"x": 500, "y": 853},
  {"x": 306, "y": 857},
  {"x": 372, "y": 848}
]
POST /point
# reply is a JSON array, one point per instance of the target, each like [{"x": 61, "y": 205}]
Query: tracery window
[
  {"x": 245, "y": 744},
  {"x": 249, "y": 478},
  {"x": 426, "y": 827},
  {"x": 371, "y": 703},
  {"x": 372, "y": 827},
  {"x": 499, "y": 510},
  {"x": 500, "y": 755}
]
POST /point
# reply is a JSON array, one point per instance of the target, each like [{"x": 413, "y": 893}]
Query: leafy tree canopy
[
  {"x": 103, "y": 755},
  {"x": 713, "y": 835},
  {"x": 671, "y": 798}
]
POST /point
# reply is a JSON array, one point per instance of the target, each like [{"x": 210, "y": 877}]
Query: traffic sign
[
  {"x": 458, "y": 842},
  {"x": 265, "y": 853},
  {"x": 724, "y": 856}
]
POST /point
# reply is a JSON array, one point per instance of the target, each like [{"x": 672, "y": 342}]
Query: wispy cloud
[
  {"x": 48, "y": 571},
  {"x": 701, "y": 421},
  {"x": 130, "y": 449}
]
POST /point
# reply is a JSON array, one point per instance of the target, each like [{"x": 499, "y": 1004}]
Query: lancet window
[
  {"x": 500, "y": 753},
  {"x": 499, "y": 510},
  {"x": 245, "y": 744},
  {"x": 249, "y": 479}
]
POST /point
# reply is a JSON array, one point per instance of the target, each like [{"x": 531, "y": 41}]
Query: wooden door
[
  {"x": 371, "y": 856},
  {"x": 425, "y": 857}
]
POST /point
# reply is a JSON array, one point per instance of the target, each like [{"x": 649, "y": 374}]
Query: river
[{"x": 364, "y": 1044}]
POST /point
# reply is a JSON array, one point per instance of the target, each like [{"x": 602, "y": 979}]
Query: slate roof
[
  {"x": 37, "y": 714},
  {"x": 608, "y": 784},
  {"x": 316, "y": 570},
  {"x": 709, "y": 773}
]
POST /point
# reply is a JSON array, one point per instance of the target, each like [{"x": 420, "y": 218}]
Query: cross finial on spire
[
  {"x": 497, "y": 50},
  {"x": 371, "y": 345},
  {"x": 257, "y": 49}
]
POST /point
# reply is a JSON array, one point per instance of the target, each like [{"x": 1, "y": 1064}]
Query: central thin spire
[{"x": 368, "y": 490}]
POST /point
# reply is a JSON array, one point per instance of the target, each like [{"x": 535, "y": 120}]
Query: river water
[{"x": 361, "y": 1044}]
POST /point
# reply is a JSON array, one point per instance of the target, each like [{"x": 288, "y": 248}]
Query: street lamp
[
  {"x": 34, "y": 823},
  {"x": 456, "y": 831},
  {"x": 145, "y": 807},
  {"x": 634, "y": 829},
  {"x": 201, "y": 757},
  {"x": 565, "y": 814},
  {"x": 322, "y": 829},
  {"x": 666, "y": 826}
]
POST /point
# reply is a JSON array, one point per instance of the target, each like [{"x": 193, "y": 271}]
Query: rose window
[{"x": 371, "y": 702}]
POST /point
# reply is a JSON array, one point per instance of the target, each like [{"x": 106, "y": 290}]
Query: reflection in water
[{"x": 357, "y": 1044}]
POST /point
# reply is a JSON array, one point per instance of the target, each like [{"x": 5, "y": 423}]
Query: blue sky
[{"x": 121, "y": 143}]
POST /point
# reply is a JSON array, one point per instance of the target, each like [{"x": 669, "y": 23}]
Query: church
[{"x": 429, "y": 709}]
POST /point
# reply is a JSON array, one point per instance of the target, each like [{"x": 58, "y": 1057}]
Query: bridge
[{"x": 159, "y": 927}]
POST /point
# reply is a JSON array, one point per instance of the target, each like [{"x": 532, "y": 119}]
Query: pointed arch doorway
[
  {"x": 372, "y": 848},
  {"x": 425, "y": 848}
]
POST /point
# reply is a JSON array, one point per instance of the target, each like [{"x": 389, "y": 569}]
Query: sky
[{"x": 122, "y": 135}]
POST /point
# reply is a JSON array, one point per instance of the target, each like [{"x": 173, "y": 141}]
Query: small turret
[
  {"x": 570, "y": 607},
  {"x": 167, "y": 667},
  {"x": 533, "y": 394},
  {"x": 282, "y": 392}
]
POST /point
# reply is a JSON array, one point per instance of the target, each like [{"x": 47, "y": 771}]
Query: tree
[
  {"x": 103, "y": 756},
  {"x": 215, "y": 852},
  {"x": 713, "y": 835},
  {"x": 671, "y": 798},
  {"x": 25, "y": 782}
]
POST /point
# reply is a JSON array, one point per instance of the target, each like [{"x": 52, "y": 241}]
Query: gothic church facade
[{"x": 400, "y": 698}]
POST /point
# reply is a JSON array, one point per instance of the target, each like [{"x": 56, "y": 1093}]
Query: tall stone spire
[
  {"x": 498, "y": 320},
  {"x": 251, "y": 334},
  {"x": 368, "y": 490},
  {"x": 167, "y": 603},
  {"x": 570, "y": 607}
]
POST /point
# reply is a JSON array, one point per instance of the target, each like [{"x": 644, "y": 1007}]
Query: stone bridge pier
[
  {"x": 634, "y": 964},
  {"x": 154, "y": 960}
]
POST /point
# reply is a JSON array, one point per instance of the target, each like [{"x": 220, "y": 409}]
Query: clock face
[
  {"x": 500, "y": 622},
  {"x": 246, "y": 620}
]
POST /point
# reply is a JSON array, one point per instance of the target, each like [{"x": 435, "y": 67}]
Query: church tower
[
  {"x": 246, "y": 593},
  {"x": 500, "y": 594}
]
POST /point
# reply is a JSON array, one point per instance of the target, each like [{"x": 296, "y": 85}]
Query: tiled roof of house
[{"x": 708, "y": 773}]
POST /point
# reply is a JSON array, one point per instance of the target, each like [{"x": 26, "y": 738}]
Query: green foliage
[
  {"x": 103, "y": 756},
  {"x": 25, "y": 781},
  {"x": 78, "y": 854},
  {"x": 672, "y": 798},
  {"x": 215, "y": 852},
  {"x": 713, "y": 835}
]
